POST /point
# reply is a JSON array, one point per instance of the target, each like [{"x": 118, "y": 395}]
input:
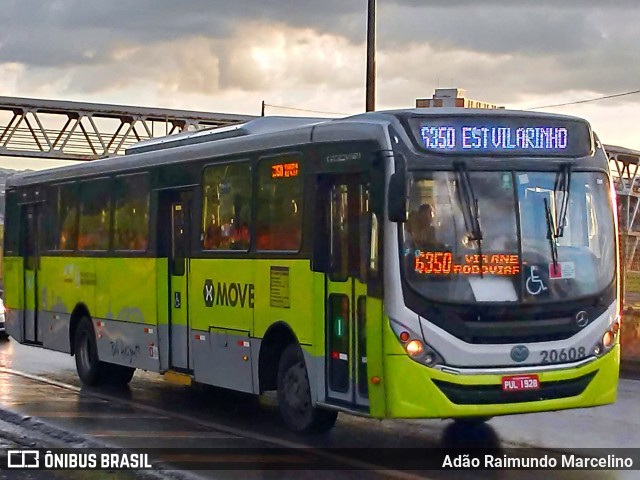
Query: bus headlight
[
  {"x": 608, "y": 338},
  {"x": 414, "y": 348}
]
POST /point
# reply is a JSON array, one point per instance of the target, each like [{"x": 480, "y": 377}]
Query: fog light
[
  {"x": 414, "y": 348},
  {"x": 607, "y": 339}
]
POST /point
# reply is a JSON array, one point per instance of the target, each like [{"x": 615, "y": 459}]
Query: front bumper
[{"x": 416, "y": 391}]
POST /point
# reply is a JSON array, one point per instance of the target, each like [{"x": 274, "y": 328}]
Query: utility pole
[
  {"x": 371, "y": 56},
  {"x": 262, "y": 112}
]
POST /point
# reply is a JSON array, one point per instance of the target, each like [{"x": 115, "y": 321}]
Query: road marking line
[
  {"x": 45, "y": 413},
  {"x": 157, "y": 434},
  {"x": 49, "y": 401},
  {"x": 223, "y": 428}
]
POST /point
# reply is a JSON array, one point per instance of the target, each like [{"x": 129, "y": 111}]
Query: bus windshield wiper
[
  {"x": 555, "y": 228},
  {"x": 562, "y": 184},
  {"x": 470, "y": 210},
  {"x": 551, "y": 234}
]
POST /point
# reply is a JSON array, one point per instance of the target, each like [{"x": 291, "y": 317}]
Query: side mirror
[{"x": 397, "y": 198}]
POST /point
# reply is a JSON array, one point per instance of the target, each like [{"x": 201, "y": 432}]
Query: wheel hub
[{"x": 296, "y": 391}]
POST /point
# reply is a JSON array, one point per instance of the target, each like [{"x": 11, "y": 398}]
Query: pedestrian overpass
[{"x": 63, "y": 130}]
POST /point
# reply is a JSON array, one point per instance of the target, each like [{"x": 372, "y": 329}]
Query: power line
[
  {"x": 587, "y": 100},
  {"x": 305, "y": 110}
]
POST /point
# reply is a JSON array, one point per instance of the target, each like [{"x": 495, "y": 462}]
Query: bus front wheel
[
  {"x": 294, "y": 396},
  {"x": 471, "y": 421}
]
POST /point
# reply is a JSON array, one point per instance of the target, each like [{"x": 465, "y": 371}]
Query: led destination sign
[
  {"x": 284, "y": 170},
  {"x": 430, "y": 263},
  {"x": 504, "y": 135},
  {"x": 499, "y": 138}
]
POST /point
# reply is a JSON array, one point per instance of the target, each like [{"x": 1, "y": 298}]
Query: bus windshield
[{"x": 511, "y": 236}]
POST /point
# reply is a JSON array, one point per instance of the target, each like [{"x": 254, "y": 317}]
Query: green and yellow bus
[{"x": 436, "y": 263}]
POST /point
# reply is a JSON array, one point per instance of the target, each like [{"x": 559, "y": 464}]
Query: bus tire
[
  {"x": 90, "y": 368},
  {"x": 117, "y": 375},
  {"x": 294, "y": 396},
  {"x": 471, "y": 421}
]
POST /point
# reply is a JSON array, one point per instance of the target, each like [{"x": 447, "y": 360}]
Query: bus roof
[{"x": 263, "y": 125}]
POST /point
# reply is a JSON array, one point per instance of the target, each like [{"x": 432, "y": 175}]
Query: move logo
[{"x": 228, "y": 294}]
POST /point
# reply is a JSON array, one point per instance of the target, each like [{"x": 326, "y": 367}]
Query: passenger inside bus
[
  {"x": 213, "y": 235},
  {"x": 68, "y": 232},
  {"x": 241, "y": 238},
  {"x": 280, "y": 228}
]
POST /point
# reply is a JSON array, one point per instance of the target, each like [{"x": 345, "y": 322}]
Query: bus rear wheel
[
  {"x": 118, "y": 374},
  {"x": 294, "y": 396},
  {"x": 91, "y": 370}
]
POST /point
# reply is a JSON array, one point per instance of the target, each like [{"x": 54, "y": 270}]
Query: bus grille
[
  {"x": 523, "y": 332},
  {"x": 493, "y": 394}
]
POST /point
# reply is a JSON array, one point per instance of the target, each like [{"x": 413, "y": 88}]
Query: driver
[{"x": 422, "y": 230}]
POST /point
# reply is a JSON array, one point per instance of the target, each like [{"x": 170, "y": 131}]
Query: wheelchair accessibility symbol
[{"x": 534, "y": 283}]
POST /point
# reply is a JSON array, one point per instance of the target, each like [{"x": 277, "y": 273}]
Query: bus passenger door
[
  {"x": 347, "y": 205},
  {"x": 30, "y": 231},
  {"x": 180, "y": 216}
]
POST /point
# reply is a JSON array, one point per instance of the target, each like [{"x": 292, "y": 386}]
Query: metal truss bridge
[
  {"x": 624, "y": 165},
  {"x": 86, "y": 131}
]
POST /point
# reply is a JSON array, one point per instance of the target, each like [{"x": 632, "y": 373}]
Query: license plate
[{"x": 515, "y": 383}]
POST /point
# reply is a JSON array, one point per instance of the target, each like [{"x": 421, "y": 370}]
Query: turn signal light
[
  {"x": 414, "y": 348},
  {"x": 615, "y": 327},
  {"x": 404, "y": 336}
]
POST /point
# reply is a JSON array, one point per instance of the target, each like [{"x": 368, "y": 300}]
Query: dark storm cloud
[
  {"x": 81, "y": 31},
  {"x": 534, "y": 32},
  {"x": 541, "y": 46},
  {"x": 524, "y": 4},
  {"x": 45, "y": 33}
]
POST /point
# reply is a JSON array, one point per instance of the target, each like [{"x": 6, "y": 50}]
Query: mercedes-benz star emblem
[
  {"x": 519, "y": 353},
  {"x": 582, "y": 318}
]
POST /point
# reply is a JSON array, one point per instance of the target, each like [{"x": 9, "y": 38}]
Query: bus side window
[
  {"x": 95, "y": 215},
  {"x": 226, "y": 207},
  {"x": 131, "y": 223},
  {"x": 279, "y": 220},
  {"x": 65, "y": 223}
]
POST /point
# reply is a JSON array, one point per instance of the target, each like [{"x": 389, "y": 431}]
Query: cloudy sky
[{"x": 230, "y": 55}]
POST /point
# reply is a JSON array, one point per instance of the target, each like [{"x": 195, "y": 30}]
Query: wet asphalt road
[{"x": 154, "y": 413}]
